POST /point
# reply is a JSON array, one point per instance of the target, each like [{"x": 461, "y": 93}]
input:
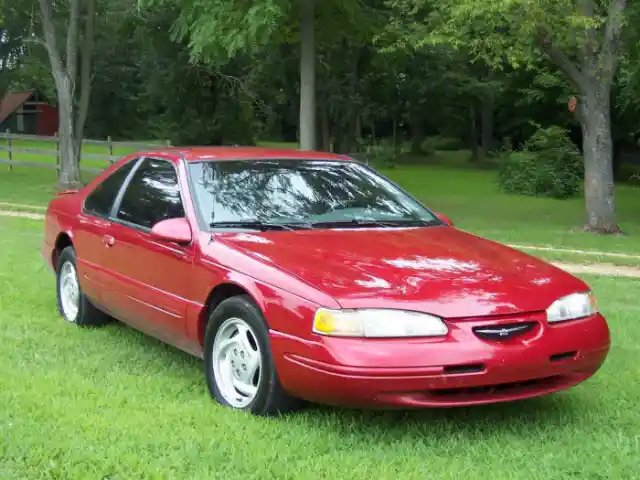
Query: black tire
[
  {"x": 270, "y": 398},
  {"x": 88, "y": 315}
]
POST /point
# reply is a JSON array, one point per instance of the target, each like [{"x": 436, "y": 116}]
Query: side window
[
  {"x": 100, "y": 201},
  {"x": 152, "y": 195}
]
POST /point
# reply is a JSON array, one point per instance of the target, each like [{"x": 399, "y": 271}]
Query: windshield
[{"x": 300, "y": 194}]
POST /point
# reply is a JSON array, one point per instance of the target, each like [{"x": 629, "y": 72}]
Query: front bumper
[{"x": 460, "y": 369}]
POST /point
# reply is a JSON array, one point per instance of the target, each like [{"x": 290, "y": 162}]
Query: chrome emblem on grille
[{"x": 503, "y": 332}]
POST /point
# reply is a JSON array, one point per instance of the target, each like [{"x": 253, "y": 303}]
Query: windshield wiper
[
  {"x": 371, "y": 223},
  {"x": 258, "y": 225}
]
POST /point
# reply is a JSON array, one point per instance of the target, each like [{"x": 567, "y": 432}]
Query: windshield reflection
[{"x": 300, "y": 192}]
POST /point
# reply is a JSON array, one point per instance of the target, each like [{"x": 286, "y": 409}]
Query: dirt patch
[
  {"x": 29, "y": 215},
  {"x": 576, "y": 252},
  {"x": 606, "y": 269},
  {"x": 22, "y": 206}
]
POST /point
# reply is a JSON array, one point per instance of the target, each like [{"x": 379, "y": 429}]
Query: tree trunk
[
  {"x": 473, "y": 134},
  {"x": 326, "y": 127},
  {"x": 594, "y": 78},
  {"x": 307, "y": 76},
  {"x": 599, "y": 187},
  {"x": 395, "y": 133},
  {"x": 69, "y": 176},
  {"x": 374, "y": 135},
  {"x": 487, "y": 125},
  {"x": 65, "y": 79},
  {"x": 85, "y": 76},
  {"x": 346, "y": 136},
  {"x": 417, "y": 132}
]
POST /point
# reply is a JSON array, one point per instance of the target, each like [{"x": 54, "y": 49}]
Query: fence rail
[
  {"x": 109, "y": 157},
  {"x": 11, "y": 151}
]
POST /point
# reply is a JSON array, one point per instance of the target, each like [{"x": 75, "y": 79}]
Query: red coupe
[{"x": 309, "y": 276}]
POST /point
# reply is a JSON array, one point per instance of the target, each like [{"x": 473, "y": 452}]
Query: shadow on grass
[
  {"x": 554, "y": 409},
  {"x": 528, "y": 416}
]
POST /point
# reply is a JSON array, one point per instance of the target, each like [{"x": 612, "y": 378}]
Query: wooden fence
[{"x": 11, "y": 151}]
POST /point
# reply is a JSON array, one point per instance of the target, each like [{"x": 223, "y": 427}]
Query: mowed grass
[{"x": 113, "y": 403}]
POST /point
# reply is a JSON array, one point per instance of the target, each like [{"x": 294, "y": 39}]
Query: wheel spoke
[
  {"x": 244, "y": 334},
  {"x": 252, "y": 366},
  {"x": 244, "y": 388},
  {"x": 223, "y": 348}
]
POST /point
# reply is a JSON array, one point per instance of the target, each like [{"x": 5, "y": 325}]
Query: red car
[{"x": 308, "y": 276}]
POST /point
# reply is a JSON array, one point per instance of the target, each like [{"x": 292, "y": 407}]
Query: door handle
[{"x": 108, "y": 241}]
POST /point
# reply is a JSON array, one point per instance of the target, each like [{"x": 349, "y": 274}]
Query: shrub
[
  {"x": 549, "y": 166},
  {"x": 445, "y": 144},
  {"x": 383, "y": 155},
  {"x": 630, "y": 173}
]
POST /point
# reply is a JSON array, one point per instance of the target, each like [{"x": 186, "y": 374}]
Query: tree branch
[
  {"x": 560, "y": 59},
  {"x": 85, "y": 74},
  {"x": 72, "y": 41},
  {"x": 609, "y": 55},
  {"x": 50, "y": 36}
]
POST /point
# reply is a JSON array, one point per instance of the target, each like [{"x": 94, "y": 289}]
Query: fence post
[
  {"x": 9, "y": 151},
  {"x": 110, "y": 149},
  {"x": 57, "y": 152}
]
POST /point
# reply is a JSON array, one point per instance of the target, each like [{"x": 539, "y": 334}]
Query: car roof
[{"x": 195, "y": 154}]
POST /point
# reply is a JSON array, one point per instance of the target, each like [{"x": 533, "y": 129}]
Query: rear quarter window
[{"x": 100, "y": 200}]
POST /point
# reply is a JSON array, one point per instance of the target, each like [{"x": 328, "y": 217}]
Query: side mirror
[
  {"x": 443, "y": 218},
  {"x": 176, "y": 230}
]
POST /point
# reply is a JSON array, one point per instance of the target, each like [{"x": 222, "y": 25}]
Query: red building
[{"x": 29, "y": 113}]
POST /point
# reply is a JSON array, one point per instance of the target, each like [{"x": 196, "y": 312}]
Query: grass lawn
[{"x": 113, "y": 403}]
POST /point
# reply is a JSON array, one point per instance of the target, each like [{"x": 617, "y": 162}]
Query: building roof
[{"x": 12, "y": 101}]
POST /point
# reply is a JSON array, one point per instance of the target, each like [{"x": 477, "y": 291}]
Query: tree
[
  {"x": 308, "y": 128},
  {"x": 73, "y": 90},
  {"x": 218, "y": 30},
  {"x": 15, "y": 21},
  {"x": 580, "y": 37}
]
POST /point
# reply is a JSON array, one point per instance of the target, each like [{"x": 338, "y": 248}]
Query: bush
[
  {"x": 550, "y": 165},
  {"x": 445, "y": 144},
  {"x": 629, "y": 173},
  {"x": 383, "y": 155}
]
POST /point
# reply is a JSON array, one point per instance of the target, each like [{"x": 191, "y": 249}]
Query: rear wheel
[
  {"x": 73, "y": 305},
  {"x": 239, "y": 366}
]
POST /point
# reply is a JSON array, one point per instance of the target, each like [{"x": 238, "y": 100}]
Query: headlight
[
  {"x": 571, "y": 307},
  {"x": 377, "y": 323}
]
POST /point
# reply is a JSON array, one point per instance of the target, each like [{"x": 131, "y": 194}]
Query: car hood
[{"x": 437, "y": 270}]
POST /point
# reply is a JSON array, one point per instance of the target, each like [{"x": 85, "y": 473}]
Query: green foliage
[
  {"x": 442, "y": 143},
  {"x": 549, "y": 166},
  {"x": 630, "y": 173},
  {"x": 383, "y": 155},
  {"x": 217, "y": 30},
  {"x": 498, "y": 32}
]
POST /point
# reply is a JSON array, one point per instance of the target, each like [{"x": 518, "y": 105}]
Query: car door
[
  {"x": 93, "y": 230},
  {"x": 147, "y": 280}
]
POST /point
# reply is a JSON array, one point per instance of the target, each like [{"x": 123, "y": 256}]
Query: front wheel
[{"x": 239, "y": 366}]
